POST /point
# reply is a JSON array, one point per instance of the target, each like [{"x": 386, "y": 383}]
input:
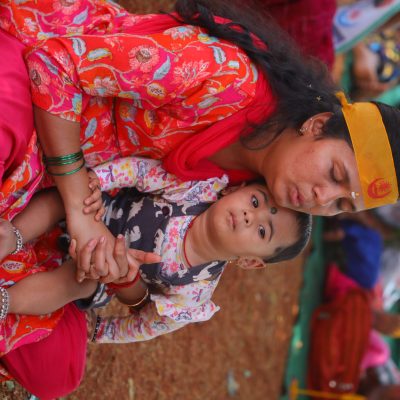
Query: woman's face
[{"x": 313, "y": 174}]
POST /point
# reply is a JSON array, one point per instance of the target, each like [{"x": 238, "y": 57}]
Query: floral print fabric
[
  {"x": 132, "y": 92},
  {"x": 159, "y": 223}
]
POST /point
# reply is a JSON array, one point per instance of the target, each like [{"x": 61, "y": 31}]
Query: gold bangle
[{"x": 142, "y": 300}]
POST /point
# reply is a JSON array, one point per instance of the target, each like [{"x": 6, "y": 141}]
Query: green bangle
[
  {"x": 68, "y": 172},
  {"x": 64, "y": 160}
]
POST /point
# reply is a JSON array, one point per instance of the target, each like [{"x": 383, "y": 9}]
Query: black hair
[
  {"x": 336, "y": 128},
  {"x": 304, "y": 225},
  {"x": 302, "y": 85},
  {"x": 391, "y": 120}
]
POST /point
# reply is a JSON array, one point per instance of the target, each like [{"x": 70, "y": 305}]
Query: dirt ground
[{"x": 240, "y": 353}]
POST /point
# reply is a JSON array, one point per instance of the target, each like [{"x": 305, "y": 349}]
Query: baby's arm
[
  {"x": 145, "y": 174},
  {"x": 45, "y": 292},
  {"x": 43, "y": 211}
]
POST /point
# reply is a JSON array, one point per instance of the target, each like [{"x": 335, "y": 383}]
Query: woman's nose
[{"x": 325, "y": 196}]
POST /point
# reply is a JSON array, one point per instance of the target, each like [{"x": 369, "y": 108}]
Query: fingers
[
  {"x": 100, "y": 213},
  {"x": 72, "y": 249},
  {"x": 143, "y": 257},
  {"x": 120, "y": 254},
  {"x": 99, "y": 258},
  {"x": 93, "y": 202},
  {"x": 84, "y": 260},
  {"x": 118, "y": 264}
]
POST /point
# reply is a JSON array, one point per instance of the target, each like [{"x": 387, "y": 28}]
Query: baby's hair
[{"x": 304, "y": 225}]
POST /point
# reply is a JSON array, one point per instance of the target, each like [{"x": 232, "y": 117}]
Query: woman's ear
[
  {"x": 317, "y": 122},
  {"x": 250, "y": 263}
]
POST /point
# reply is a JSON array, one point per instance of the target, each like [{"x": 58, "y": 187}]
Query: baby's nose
[{"x": 247, "y": 217}]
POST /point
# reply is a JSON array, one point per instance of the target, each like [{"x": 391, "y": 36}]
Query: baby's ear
[{"x": 251, "y": 263}]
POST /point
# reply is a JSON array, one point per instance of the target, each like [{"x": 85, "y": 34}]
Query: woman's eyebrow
[
  {"x": 346, "y": 179},
  {"x": 264, "y": 195}
]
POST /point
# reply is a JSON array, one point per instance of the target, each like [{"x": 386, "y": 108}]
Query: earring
[
  {"x": 302, "y": 130},
  {"x": 354, "y": 194}
]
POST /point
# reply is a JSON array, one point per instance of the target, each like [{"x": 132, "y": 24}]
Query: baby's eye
[
  {"x": 254, "y": 201},
  {"x": 261, "y": 232}
]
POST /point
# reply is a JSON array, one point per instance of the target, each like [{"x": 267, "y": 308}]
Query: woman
[
  {"x": 167, "y": 84},
  {"x": 301, "y": 144}
]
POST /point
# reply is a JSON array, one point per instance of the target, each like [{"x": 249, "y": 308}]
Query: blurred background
[{"x": 325, "y": 325}]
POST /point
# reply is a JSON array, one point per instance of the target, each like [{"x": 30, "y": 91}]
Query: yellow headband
[{"x": 373, "y": 153}]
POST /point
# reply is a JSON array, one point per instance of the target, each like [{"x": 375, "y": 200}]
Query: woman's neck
[
  {"x": 229, "y": 157},
  {"x": 198, "y": 248},
  {"x": 236, "y": 156}
]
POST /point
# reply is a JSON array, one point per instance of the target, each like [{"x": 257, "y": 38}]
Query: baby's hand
[
  {"x": 94, "y": 261},
  {"x": 8, "y": 240},
  {"x": 94, "y": 202}
]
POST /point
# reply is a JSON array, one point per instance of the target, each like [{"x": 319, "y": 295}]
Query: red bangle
[{"x": 117, "y": 286}]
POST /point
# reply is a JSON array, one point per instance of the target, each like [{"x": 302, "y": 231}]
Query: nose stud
[{"x": 354, "y": 195}]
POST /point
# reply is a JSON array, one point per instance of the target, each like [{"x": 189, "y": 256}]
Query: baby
[{"x": 196, "y": 227}]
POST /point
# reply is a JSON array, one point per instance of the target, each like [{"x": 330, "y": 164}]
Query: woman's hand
[
  {"x": 94, "y": 202},
  {"x": 83, "y": 228},
  {"x": 128, "y": 261}
]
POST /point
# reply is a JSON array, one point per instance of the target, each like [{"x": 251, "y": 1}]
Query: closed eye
[{"x": 334, "y": 176}]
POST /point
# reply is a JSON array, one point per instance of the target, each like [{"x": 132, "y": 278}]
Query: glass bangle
[
  {"x": 65, "y": 173},
  {"x": 64, "y": 160}
]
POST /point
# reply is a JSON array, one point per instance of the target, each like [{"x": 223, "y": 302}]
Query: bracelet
[
  {"x": 66, "y": 173},
  {"x": 117, "y": 286},
  {"x": 96, "y": 329},
  {"x": 60, "y": 161},
  {"x": 63, "y": 160},
  {"x": 20, "y": 241},
  {"x": 141, "y": 301},
  {"x": 5, "y": 303}
]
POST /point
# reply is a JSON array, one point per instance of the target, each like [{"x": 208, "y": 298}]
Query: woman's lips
[{"x": 295, "y": 198}]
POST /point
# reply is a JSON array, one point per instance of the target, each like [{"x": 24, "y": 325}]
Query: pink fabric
[
  {"x": 337, "y": 283},
  {"x": 54, "y": 366},
  {"x": 377, "y": 353},
  {"x": 16, "y": 117},
  {"x": 309, "y": 22}
]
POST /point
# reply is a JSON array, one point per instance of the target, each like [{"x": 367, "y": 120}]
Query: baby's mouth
[{"x": 232, "y": 220}]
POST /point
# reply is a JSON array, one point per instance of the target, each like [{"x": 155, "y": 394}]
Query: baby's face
[{"x": 248, "y": 223}]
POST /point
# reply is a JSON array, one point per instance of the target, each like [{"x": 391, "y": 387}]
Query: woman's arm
[
  {"x": 44, "y": 210},
  {"x": 60, "y": 137},
  {"x": 46, "y": 292}
]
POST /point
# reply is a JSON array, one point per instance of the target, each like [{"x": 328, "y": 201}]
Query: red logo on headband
[{"x": 379, "y": 188}]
